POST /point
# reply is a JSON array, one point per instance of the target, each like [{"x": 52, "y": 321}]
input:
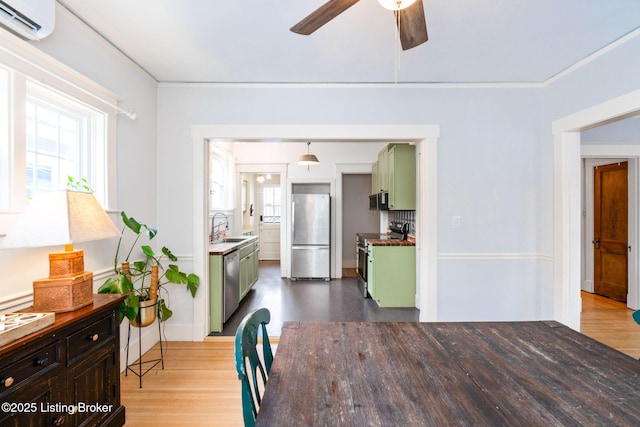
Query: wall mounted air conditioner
[{"x": 33, "y": 19}]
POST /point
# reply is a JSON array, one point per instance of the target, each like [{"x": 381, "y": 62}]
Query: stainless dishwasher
[{"x": 231, "y": 284}]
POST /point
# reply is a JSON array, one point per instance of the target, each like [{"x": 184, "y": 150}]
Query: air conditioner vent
[
  {"x": 10, "y": 14},
  {"x": 33, "y": 19}
]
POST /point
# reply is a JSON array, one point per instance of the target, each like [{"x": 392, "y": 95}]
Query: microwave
[{"x": 379, "y": 201}]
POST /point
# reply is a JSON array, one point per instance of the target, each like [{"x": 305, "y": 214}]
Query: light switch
[{"x": 455, "y": 222}]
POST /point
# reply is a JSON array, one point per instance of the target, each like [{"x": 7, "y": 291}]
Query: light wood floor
[
  {"x": 610, "y": 322},
  {"x": 199, "y": 385}
]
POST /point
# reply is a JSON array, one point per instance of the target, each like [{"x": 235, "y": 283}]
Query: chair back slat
[{"x": 254, "y": 375}]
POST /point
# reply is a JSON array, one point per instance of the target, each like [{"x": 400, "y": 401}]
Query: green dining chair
[{"x": 254, "y": 376}]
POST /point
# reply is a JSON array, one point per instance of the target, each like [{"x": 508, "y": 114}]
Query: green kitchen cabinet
[
  {"x": 395, "y": 173},
  {"x": 375, "y": 188},
  {"x": 216, "y": 277},
  {"x": 383, "y": 170},
  {"x": 247, "y": 277},
  {"x": 401, "y": 168},
  {"x": 391, "y": 277},
  {"x": 248, "y": 267}
]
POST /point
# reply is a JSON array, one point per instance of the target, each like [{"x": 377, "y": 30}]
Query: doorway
[
  {"x": 568, "y": 212},
  {"x": 266, "y": 214},
  {"x": 426, "y": 137},
  {"x": 604, "y": 266},
  {"x": 356, "y": 217},
  {"x": 610, "y": 231}
]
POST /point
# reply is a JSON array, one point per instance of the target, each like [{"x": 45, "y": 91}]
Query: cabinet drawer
[
  {"x": 246, "y": 250},
  {"x": 13, "y": 375},
  {"x": 90, "y": 338}
]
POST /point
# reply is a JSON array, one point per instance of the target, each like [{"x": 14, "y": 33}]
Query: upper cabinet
[
  {"x": 375, "y": 187},
  {"x": 395, "y": 173},
  {"x": 383, "y": 170}
]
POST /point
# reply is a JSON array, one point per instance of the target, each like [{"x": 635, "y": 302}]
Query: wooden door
[{"x": 610, "y": 247}]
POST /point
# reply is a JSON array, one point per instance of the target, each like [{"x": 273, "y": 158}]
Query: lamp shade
[
  {"x": 396, "y": 4},
  {"x": 60, "y": 217},
  {"x": 308, "y": 158}
]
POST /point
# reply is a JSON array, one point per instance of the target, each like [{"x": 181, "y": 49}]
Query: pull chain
[{"x": 396, "y": 47}]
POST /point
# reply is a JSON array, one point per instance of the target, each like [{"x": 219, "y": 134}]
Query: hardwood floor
[
  {"x": 199, "y": 385},
  {"x": 610, "y": 322}
]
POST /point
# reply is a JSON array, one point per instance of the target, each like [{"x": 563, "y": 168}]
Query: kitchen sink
[{"x": 231, "y": 240}]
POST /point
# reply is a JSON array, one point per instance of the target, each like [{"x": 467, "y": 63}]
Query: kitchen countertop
[
  {"x": 385, "y": 241},
  {"x": 391, "y": 242},
  {"x": 223, "y": 248}
]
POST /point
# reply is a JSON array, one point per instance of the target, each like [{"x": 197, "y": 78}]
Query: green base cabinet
[
  {"x": 215, "y": 293},
  {"x": 392, "y": 275},
  {"x": 248, "y": 276},
  {"x": 248, "y": 268}
]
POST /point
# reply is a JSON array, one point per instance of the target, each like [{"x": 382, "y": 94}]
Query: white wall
[
  {"x": 489, "y": 160},
  {"x": 81, "y": 49},
  {"x": 611, "y": 74}
]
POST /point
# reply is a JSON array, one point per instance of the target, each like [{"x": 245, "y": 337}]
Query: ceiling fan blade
[
  {"x": 322, "y": 15},
  {"x": 412, "y": 25}
]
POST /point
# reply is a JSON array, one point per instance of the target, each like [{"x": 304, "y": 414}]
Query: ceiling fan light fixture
[
  {"x": 396, "y": 4},
  {"x": 308, "y": 159}
]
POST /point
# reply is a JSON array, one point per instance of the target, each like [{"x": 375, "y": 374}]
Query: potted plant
[{"x": 143, "y": 280}]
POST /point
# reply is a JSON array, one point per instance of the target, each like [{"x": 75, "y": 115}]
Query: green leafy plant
[
  {"x": 136, "y": 281},
  {"x": 78, "y": 184}
]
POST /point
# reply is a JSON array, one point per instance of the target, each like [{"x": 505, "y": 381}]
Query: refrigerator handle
[{"x": 293, "y": 217}]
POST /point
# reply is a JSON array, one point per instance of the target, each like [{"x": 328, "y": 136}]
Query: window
[
  {"x": 59, "y": 140},
  {"x": 221, "y": 188},
  {"x": 5, "y": 189},
  {"x": 271, "y": 204},
  {"x": 54, "y": 123}
]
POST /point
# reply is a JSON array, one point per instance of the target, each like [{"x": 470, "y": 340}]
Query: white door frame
[
  {"x": 567, "y": 209},
  {"x": 425, "y": 136}
]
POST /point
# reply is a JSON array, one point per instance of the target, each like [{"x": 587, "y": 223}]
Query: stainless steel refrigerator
[{"x": 310, "y": 243}]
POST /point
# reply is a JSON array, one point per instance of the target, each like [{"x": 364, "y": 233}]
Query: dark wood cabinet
[{"x": 66, "y": 374}]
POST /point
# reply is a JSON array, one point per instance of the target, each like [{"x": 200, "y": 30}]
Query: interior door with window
[
  {"x": 270, "y": 217},
  {"x": 610, "y": 231}
]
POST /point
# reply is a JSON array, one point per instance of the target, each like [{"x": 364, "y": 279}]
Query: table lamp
[{"x": 62, "y": 217}]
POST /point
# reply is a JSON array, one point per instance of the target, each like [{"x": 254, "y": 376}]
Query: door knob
[{"x": 596, "y": 242}]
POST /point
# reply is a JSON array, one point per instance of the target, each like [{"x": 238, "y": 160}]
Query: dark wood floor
[
  {"x": 309, "y": 300},
  {"x": 199, "y": 385}
]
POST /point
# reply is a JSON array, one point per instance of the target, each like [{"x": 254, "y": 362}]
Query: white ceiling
[{"x": 470, "y": 41}]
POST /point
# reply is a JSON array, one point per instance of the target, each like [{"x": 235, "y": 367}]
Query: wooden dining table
[{"x": 539, "y": 373}]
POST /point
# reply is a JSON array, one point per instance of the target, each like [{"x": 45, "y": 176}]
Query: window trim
[{"x": 29, "y": 62}]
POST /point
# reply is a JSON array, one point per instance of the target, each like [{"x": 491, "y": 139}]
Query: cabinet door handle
[
  {"x": 93, "y": 337},
  {"x": 42, "y": 361},
  {"x": 7, "y": 382}
]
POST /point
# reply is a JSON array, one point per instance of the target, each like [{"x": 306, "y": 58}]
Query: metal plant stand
[{"x": 137, "y": 367}]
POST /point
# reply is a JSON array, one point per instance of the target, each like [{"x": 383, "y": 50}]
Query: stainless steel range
[{"x": 398, "y": 231}]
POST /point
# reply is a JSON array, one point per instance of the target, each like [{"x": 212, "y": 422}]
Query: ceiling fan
[{"x": 409, "y": 18}]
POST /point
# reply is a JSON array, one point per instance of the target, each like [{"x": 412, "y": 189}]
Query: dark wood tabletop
[{"x": 443, "y": 374}]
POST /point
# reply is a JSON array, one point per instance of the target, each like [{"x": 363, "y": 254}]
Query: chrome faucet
[{"x": 215, "y": 228}]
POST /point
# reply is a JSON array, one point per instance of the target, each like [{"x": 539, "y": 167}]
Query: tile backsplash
[{"x": 405, "y": 216}]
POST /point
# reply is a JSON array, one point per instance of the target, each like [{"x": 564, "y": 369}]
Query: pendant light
[
  {"x": 396, "y": 4},
  {"x": 308, "y": 159}
]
